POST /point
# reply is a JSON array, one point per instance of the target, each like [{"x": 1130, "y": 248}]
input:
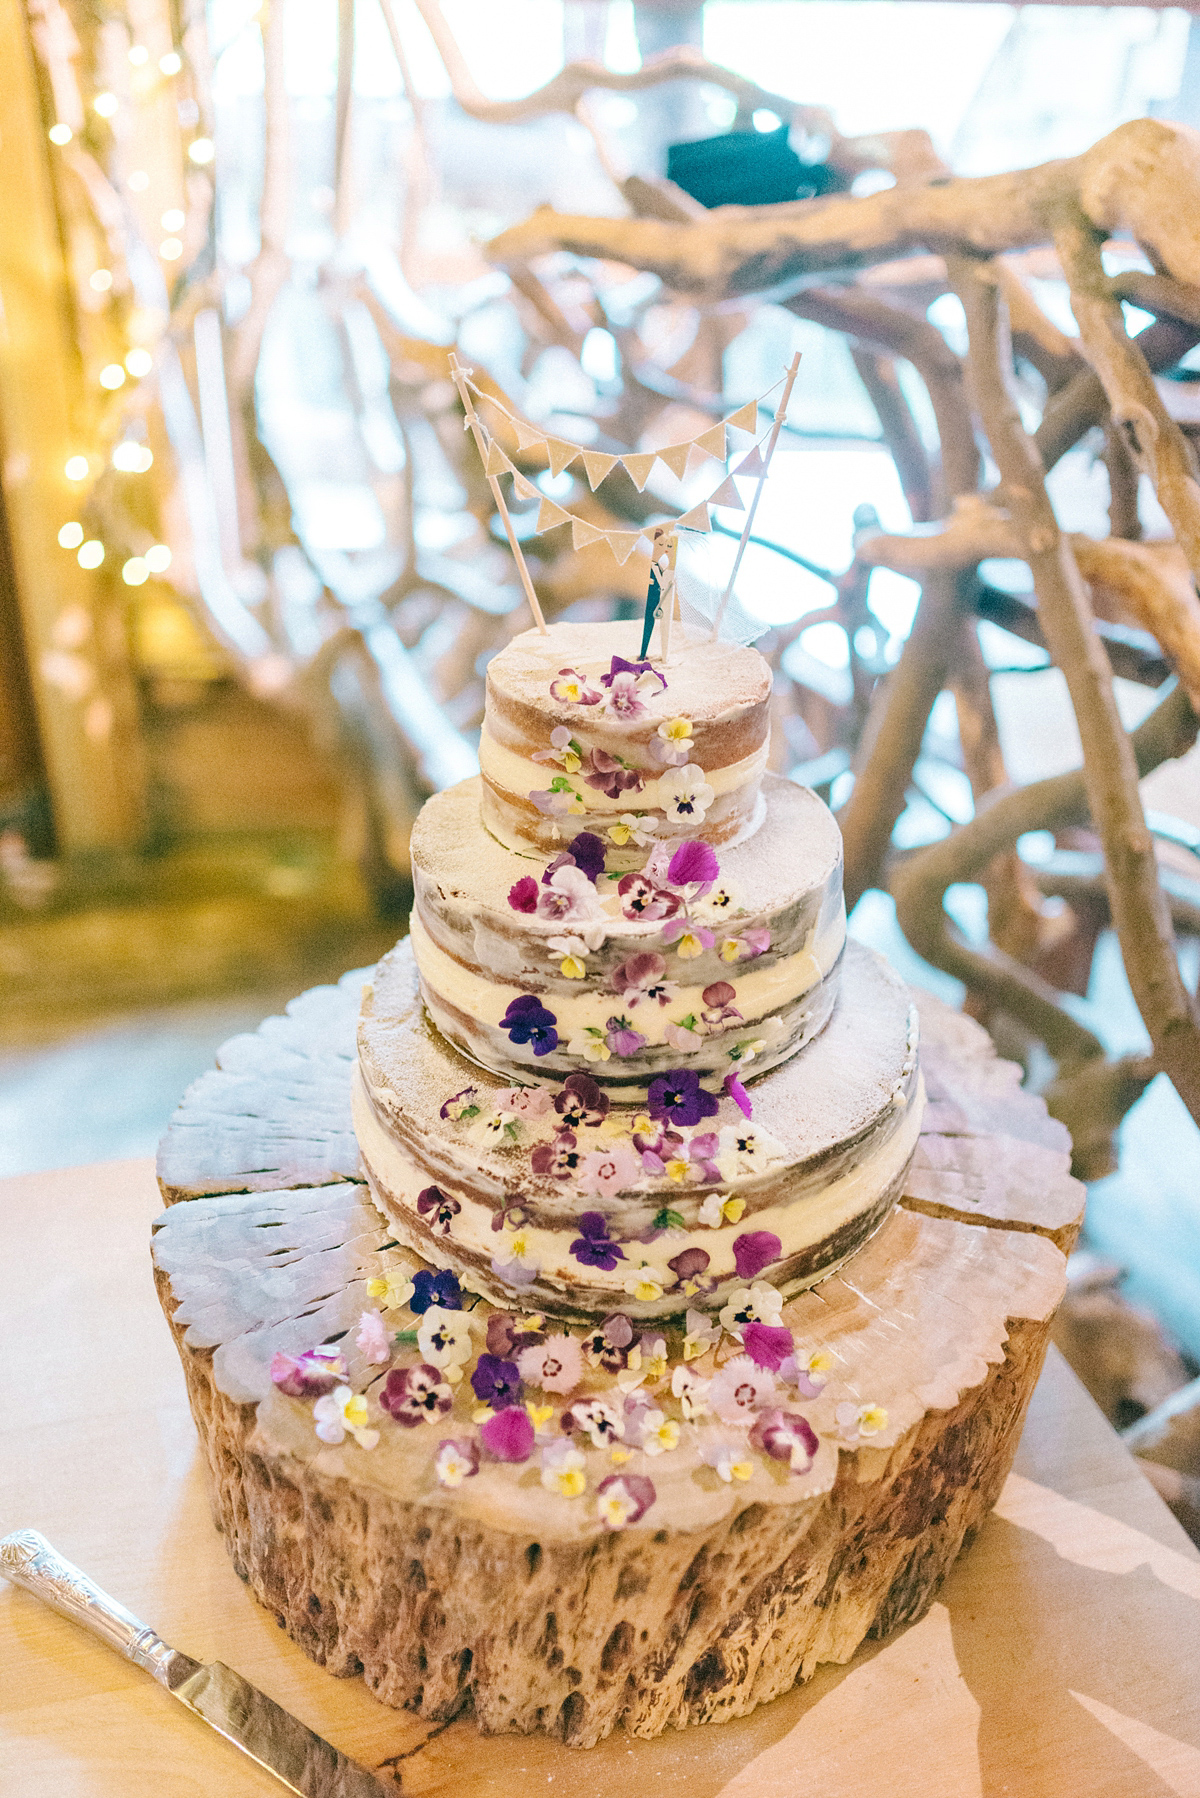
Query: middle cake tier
[{"x": 537, "y": 973}]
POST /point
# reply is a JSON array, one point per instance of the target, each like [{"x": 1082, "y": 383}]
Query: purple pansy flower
[
  {"x": 690, "y": 1268},
  {"x": 620, "y": 666},
  {"x": 511, "y": 1212},
  {"x": 641, "y": 899},
  {"x": 754, "y": 1251},
  {"x": 528, "y": 1021},
  {"x": 768, "y": 1345},
  {"x": 509, "y": 1434},
  {"x": 429, "y": 1289},
  {"x": 506, "y": 1336},
  {"x": 785, "y": 1436},
  {"x": 592, "y": 1248},
  {"x": 608, "y": 774},
  {"x": 438, "y": 1208},
  {"x": 581, "y": 1101},
  {"x": 460, "y": 1104},
  {"x": 587, "y": 852},
  {"x": 414, "y": 1395},
  {"x": 641, "y": 977},
  {"x": 679, "y": 1098},
  {"x": 496, "y": 1382},
  {"x": 739, "y": 1095},
  {"x": 622, "y": 1038},
  {"x": 693, "y": 863},
  {"x": 559, "y": 1158},
  {"x": 524, "y": 895}
]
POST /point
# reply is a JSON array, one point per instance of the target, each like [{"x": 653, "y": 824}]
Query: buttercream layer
[
  {"x": 753, "y": 978},
  {"x": 494, "y": 1191},
  {"x": 569, "y": 745}
]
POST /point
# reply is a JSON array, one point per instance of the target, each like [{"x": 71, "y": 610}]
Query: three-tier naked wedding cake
[{"x": 683, "y": 1079}]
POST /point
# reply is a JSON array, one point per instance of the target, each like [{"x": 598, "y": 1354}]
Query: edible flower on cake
[{"x": 341, "y": 1413}]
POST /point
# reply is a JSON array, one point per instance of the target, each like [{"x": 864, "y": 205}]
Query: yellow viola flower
[
  {"x": 393, "y": 1288},
  {"x": 675, "y": 730},
  {"x": 620, "y": 834},
  {"x": 689, "y": 946},
  {"x": 872, "y": 1419},
  {"x": 572, "y": 968},
  {"x": 539, "y": 1414},
  {"x": 481, "y": 1413},
  {"x": 571, "y": 1481},
  {"x": 618, "y": 1455},
  {"x": 730, "y": 949},
  {"x": 820, "y": 1361},
  {"x": 732, "y": 1210},
  {"x": 742, "y": 1470},
  {"x": 678, "y": 1170},
  {"x": 644, "y": 1284},
  {"x": 660, "y": 1434}
]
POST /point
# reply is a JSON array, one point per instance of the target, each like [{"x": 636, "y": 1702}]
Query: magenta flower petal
[
  {"x": 739, "y": 1095},
  {"x": 754, "y": 1251},
  {"x": 524, "y": 896},
  {"x": 768, "y": 1345},
  {"x": 509, "y": 1435},
  {"x": 693, "y": 861}
]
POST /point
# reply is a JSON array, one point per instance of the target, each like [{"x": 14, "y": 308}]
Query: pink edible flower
[
  {"x": 373, "y": 1341},
  {"x": 768, "y": 1345},
  {"x": 524, "y": 1101},
  {"x": 555, "y": 1365},
  {"x": 524, "y": 895},
  {"x": 757, "y": 941},
  {"x": 637, "y": 975},
  {"x": 697, "y": 935},
  {"x": 623, "y": 697},
  {"x": 571, "y": 688},
  {"x": 786, "y": 1436},
  {"x": 609, "y": 1171},
  {"x": 694, "y": 863},
  {"x": 310, "y": 1375},
  {"x": 509, "y": 1434},
  {"x": 739, "y": 1390},
  {"x": 642, "y": 899},
  {"x": 739, "y": 1095},
  {"x": 622, "y": 1039},
  {"x": 754, "y": 1251}
]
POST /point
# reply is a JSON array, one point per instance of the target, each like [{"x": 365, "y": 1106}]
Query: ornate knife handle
[{"x": 28, "y": 1560}]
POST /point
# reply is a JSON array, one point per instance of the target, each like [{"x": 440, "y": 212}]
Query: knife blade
[{"x": 303, "y": 1761}]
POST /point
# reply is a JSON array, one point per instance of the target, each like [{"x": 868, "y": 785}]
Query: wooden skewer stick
[
  {"x": 780, "y": 421},
  {"x": 457, "y": 376}
]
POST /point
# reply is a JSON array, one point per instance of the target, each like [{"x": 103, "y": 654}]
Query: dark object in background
[{"x": 747, "y": 168}]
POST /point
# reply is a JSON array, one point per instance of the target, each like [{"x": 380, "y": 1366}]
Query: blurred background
[{"x": 250, "y": 578}]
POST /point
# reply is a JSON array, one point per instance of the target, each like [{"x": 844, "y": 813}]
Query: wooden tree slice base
[{"x": 504, "y": 1599}]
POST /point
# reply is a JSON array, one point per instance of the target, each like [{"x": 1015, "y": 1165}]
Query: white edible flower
[
  {"x": 644, "y": 1284},
  {"x": 588, "y": 1047},
  {"x": 718, "y": 1208},
  {"x": 727, "y": 1462},
  {"x": 854, "y": 1420},
  {"x": 743, "y": 1149},
  {"x": 702, "y": 1334},
  {"x": 756, "y": 1304},
  {"x": 660, "y": 1433},
  {"x": 444, "y": 1339},
  {"x": 563, "y": 1469},
  {"x": 340, "y": 1413},
  {"x": 684, "y": 794},
  {"x": 393, "y": 1288},
  {"x": 691, "y": 1391}
]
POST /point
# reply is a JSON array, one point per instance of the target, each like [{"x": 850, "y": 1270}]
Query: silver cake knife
[{"x": 305, "y": 1762}]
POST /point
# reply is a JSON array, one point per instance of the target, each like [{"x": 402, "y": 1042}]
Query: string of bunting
[{"x": 638, "y": 465}]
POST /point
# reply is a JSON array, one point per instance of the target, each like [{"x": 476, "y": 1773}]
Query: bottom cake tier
[{"x": 562, "y": 1201}]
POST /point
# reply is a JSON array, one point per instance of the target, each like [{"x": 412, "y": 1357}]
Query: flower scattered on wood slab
[
  {"x": 622, "y": 1499},
  {"x": 311, "y": 1374},
  {"x": 343, "y": 1413},
  {"x": 373, "y": 1341},
  {"x": 430, "y": 1288},
  {"x": 509, "y": 1435},
  {"x": 563, "y": 1469},
  {"x": 414, "y": 1395},
  {"x": 455, "y": 1462},
  {"x": 854, "y": 1420},
  {"x": 740, "y": 1390},
  {"x": 727, "y": 1462},
  {"x": 786, "y": 1436},
  {"x": 444, "y": 1339},
  {"x": 555, "y": 1365}
]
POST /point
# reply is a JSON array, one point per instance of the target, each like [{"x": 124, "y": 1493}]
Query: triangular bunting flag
[
  {"x": 638, "y": 468},
  {"x": 675, "y": 457},
  {"x": 745, "y": 418},
  {"x": 549, "y": 515},
  {"x": 712, "y": 443},
  {"x": 753, "y": 463},
  {"x": 527, "y": 436},
  {"x": 597, "y": 464},
  {"x": 523, "y": 486},
  {"x": 697, "y": 519},
  {"x": 727, "y": 495},
  {"x": 497, "y": 462},
  {"x": 622, "y": 543},
  {"x": 582, "y": 534},
  {"x": 560, "y": 454}
]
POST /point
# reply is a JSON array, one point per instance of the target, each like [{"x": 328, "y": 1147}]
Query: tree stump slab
[{"x": 500, "y": 1597}]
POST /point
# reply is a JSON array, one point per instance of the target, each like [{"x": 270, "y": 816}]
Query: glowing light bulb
[
  {"x": 100, "y": 279},
  {"x": 112, "y": 376},
  {"x": 138, "y": 182},
  {"x": 172, "y": 219},
  {"x": 139, "y": 362},
  {"x": 135, "y": 571},
  {"x": 105, "y": 105},
  {"x": 158, "y": 558},
  {"x": 61, "y": 134},
  {"x": 76, "y": 468},
  {"x": 171, "y": 63},
  {"x": 71, "y": 536},
  {"x": 138, "y": 55},
  {"x": 201, "y": 150},
  {"x": 170, "y": 249},
  {"x": 132, "y": 458},
  {"x": 91, "y": 555}
]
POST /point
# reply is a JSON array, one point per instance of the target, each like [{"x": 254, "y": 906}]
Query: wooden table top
[{"x": 1061, "y": 1661}]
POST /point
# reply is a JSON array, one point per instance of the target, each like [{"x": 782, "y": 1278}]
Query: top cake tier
[{"x": 580, "y": 736}]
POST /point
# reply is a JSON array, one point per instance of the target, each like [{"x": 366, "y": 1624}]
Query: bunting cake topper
[{"x": 710, "y": 444}]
